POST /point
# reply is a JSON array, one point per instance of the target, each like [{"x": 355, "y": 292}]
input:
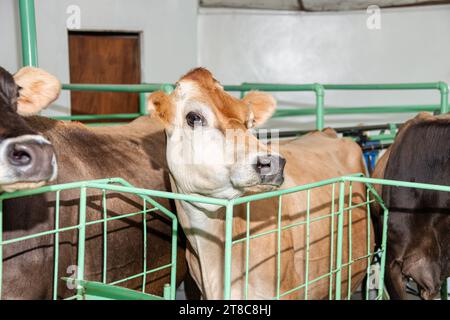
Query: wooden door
[{"x": 104, "y": 58}]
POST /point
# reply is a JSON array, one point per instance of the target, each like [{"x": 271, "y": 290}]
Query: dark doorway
[{"x": 104, "y": 58}]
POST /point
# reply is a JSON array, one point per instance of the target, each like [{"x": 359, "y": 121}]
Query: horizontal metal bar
[
  {"x": 145, "y": 87},
  {"x": 385, "y": 86},
  {"x": 271, "y": 87},
  {"x": 166, "y": 266},
  {"x": 113, "y": 116},
  {"x": 280, "y": 113},
  {"x": 397, "y": 183}
]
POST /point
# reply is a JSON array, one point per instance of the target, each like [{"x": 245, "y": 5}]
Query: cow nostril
[
  {"x": 19, "y": 155},
  {"x": 263, "y": 162}
]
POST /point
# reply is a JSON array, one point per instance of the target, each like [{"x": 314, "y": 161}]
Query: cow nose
[
  {"x": 31, "y": 159},
  {"x": 270, "y": 168}
]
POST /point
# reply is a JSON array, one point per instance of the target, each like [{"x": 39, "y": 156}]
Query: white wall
[
  {"x": 168, "y": 41},
  {"x": 413, "y": 45}
]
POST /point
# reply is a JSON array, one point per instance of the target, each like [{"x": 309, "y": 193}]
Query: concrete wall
[
  {"x": 168, "y": 40},
  {"x": 332, "y": 47}
]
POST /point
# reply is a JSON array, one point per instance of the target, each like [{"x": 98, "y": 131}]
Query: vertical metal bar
[
  {"x": 28, "y": 32},
  {"x": 349, "y": 275},
  {"x": 443, "y": 88},
  {"x": 369, "y": 255},
  {"x": 173, "y": 270},
  {"x": 444, "y": 290},
  {"x": 330, "y": 294},
  {"x": 228, "y": 248},
  {"x": 56, "y": 254},
  {"x": 144, "y": 259},
  {"x": 247, "y": 248},
  {"x": 279, "y": 247},
  {"x": 167, "y": 292},
  {"x": 383, "y": 252},
  {"x": 307, "y": 242},
  {"x": 105, "y": 237},
  {"x": 1, "y": 247},
  {"x": 81, "y": 240},
  {"x": 340, "y": 231},
  {"x": 142, "y": 104},
  {"x": 320, "y": 106}
]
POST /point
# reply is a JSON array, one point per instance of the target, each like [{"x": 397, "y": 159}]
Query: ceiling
[{"x": 314, "y": 5}]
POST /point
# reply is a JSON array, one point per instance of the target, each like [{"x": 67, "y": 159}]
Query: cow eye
[{"x": 195, "y": 119}]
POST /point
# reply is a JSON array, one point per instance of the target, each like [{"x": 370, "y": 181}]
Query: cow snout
[
  {"x": 270, "y": 168},
  {"x": 27, "y": 159}
]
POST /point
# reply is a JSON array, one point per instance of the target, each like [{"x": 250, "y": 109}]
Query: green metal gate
[{"x": 338, "y": 213}]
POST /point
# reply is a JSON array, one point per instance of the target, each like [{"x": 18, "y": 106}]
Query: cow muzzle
[
  {"x": 270, "y": 168},
  {"x": 26, "y": 161}
]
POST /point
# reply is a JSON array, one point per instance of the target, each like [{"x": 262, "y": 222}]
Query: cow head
[
  {"x": 210, "y": 149},
  {"x": 27, "y": 159}
]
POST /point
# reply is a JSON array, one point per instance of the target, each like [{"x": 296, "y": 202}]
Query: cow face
[
  {"x": 27, "y": 159},
  {"x": 210, "y": 150}
]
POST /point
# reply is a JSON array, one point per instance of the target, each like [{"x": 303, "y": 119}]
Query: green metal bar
[
  {"x": 349, "y": 274},
  {"x": 1, "y": 247},
  {"x": 134, "y": 88},
  {"x": 144, "y": 259},
  {"x": 247, "y": 248},
  {"x": 330, "y": 294},
  {"x": 228, "y": 248},
  {"x": 443, "y": 89},
  {"x": 320, "y": 106},
  {"x": 444, "y": 290},
  {"x": 142, "y": 104},
  {"x": 246, "y": 86},
  {"x": 279, "y": 247},
  {"x": 56, "y": 254},
  {"x": 28, "y": 32},
  {"x": 368, "y": 244},
  {"x": 308, "y": 200},
  {"x": 105, "y": 237},
  {"x": 81, "y": 241},
  {"x": 173, "y": 271},
  {"x": 83, "y": 117},
  {"x": 383, "y": 248},
  {"x": 279, "y": 113},
  {"x": 340, "y": 229},
  {"x": 384, "y": 86}
]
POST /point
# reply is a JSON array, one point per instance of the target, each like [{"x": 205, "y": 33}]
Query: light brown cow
[{"x": 211, "y": 152}]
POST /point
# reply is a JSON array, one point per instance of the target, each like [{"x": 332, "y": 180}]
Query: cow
[
  {"x": 418, "y": 232},
  {"x": 212, "y": 152},
  {"x": 27, "y": 159},
  {"x": 134, "y": 152}
]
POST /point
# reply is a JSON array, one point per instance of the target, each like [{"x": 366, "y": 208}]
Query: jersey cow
[
  {"x": 211, "y": 152},
  {"x": 82, "y": 153},
  {"x": 418, "y": 243}
]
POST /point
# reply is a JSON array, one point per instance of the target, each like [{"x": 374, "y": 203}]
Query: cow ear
[
  {"x": 38, "y": 89},
  {"x": 160, "y": 106},
  {"x": 262, "y": 106}
]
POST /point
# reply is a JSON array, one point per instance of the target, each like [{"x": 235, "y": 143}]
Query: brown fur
[
  {"x": 311, "y": 158},
  {"x": 134, "y": 152}
]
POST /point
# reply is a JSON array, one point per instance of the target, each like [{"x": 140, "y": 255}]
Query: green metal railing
[
  {"x": 29, "y": 57},
  {"x": 340, "y": 269},
  {"x": 103, "y": 185}
]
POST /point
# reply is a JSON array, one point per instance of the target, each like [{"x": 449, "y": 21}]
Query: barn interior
[{"x": 323, "y": 44}]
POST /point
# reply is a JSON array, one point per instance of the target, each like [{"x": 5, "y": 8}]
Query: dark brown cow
[
  {"x": 418, "y": 244},
  {"x": 134, "y": 152},
  {"x": 27, "y": 159}
]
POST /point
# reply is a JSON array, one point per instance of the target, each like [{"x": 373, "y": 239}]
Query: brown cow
[
  {"x": 134, "y": 152},
  {"x": 418, "y": 243},
  {"x": 27, "y": 159},
  {"x": 211, "y": 152}
]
